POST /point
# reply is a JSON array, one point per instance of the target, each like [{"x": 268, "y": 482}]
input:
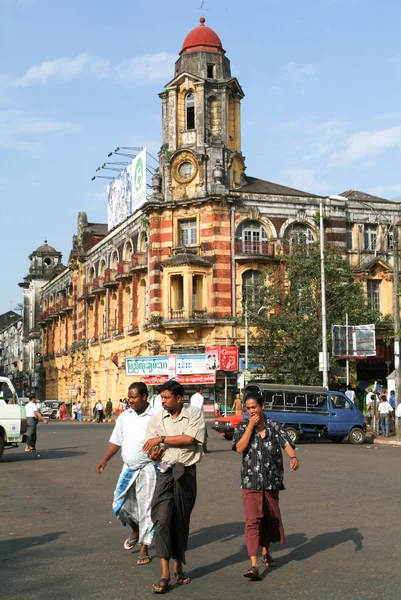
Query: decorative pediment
[
  {"x": 377, "y": 267},
  {"x": 182, "y": 79}
]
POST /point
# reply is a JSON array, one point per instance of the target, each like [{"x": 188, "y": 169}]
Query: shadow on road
[
  {"x": 302, "y": 547},
  {"x": 40, "y": 455},
  {"x": 17, "y": 544}
]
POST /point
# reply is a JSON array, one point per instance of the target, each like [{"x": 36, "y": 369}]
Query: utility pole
[
  {"x": 323, "y": 295},
  {"x": 397, "y": 366}
]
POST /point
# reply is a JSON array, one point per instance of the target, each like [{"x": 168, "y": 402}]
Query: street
[{"x": 60, "y": 540}]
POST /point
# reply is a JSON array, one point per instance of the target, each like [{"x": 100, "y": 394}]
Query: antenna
[{"x": 202, "y": 7}]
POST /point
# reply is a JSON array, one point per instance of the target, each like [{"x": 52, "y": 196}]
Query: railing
[
  {"x": 139, "y": 260},
  {"x": 198, "y": 313},
  {"x": 124, "y": 268},
  {"x": 255, "y": 248},
  {"x": 179, "y": 313}
]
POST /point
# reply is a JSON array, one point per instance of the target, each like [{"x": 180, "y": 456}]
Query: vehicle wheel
[
  {"x": 228, "y": 436},
  {"x": 293, "y": 434},
  {"x": 1, "y": 446},
  {"x": 337, "y": 439},
  {"x": 356, "y": 436},
  {"x": 53, "y": 415}
]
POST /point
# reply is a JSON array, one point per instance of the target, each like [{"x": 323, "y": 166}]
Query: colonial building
[
  {"x": 170, "y": 278},
  {"x": 11, "y": 348}
]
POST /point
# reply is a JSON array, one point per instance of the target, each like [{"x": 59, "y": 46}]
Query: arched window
[
  {"x": 252, "y": 238},
  {"x": 143, "y": 242},
  {"x": 249, "y": 284},
  {"x": 298, "y": 237},
  {"x": 102, "y": 268},
  {"x": 190, "y": 111},
  {"x": 128, "y": 251},
  {"x": 114, "y": 260}
]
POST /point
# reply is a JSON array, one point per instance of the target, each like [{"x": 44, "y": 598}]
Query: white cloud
[
  {"x": 16, "y": 129},
  {"x": 305, "y": 179},
  {"x": 297, "y": 74},
  {"x": 387, "y": 191},
  {"x": 364, "y": 145},
  {"x": 65, "y": 69},
  {"x": 148, "y": 68}
]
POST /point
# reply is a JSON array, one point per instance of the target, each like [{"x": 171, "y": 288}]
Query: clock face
[
  {"x": 185, "y": 167},
  {"x": 185, "y": 170}
]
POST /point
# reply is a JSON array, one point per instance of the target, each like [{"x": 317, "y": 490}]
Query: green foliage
[{"x": 288, "y": 336}]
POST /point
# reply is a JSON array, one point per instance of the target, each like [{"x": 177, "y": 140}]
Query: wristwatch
[{"x": 162, "y": 437}]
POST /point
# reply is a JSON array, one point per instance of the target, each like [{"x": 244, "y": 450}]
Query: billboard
[
  {"x": 146, "y": 365},
  {"x": 127, "y": 193},
  {"x": 223, "y": 358},
  {"x": 353, "y": 341}
]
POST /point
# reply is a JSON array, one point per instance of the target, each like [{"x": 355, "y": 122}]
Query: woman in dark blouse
[{"x": 260, "y": 441}]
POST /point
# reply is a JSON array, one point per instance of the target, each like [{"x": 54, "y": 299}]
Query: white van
[{"x": 13, "y": 423}]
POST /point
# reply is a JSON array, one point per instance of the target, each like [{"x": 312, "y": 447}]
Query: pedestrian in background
[
  {"x": 79, "y": 411},
  {"x": 175, "y": 434},
  {"x": 384, "y": 410},
  {"x": 33, "y": 416},
  {"x": 74, "y": 412},
  {"x": 391, "y": 399},
  {"x": 109, "y": 408},
  {"x": 237, "y": 406},
  {"x": 260, "y": 442},
  {"x": 137, "y": 481},
  {"x": 99, "y": 411},
  {"x": 198, "y": 400}
]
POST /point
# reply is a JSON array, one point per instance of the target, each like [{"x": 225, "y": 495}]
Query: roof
[
  {"x": 186, "y": 257},
  {"x": 98, "y": 228},
  {"x": 8, "y": 318},
  {"x": 362, "y": 196},
  {"x": 366, "y": 267},
  {"x": 46, "y": 249},
  {"x": 260, "y": 186},
  {"x": 202, "y": 38}
]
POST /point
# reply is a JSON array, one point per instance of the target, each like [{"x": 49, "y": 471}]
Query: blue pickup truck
[{"x": 306, "y": 412}]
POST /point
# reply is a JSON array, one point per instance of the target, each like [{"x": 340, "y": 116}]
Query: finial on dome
[
  {"x": 202, "y": 20},
  {"x": 45, "y": 241}
]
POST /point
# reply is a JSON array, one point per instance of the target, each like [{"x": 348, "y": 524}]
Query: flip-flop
[
  {"x": 143, "y": 560},
  {"x": 182, "y": 578},
  {"x": 164, "y": 585},
  {"x": 130, "y": 543}
]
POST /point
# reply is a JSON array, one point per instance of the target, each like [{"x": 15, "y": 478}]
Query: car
[{"x": 49, "y": 409}]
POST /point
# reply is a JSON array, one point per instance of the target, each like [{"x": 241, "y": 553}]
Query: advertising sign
[
  {"x": 223, "y": 358},
  {"x": 146, "y": 365},
  {"x": 127, "y": 193},
  {"x": 354, "y": 341},
  {"x": 191, "y": 364}
]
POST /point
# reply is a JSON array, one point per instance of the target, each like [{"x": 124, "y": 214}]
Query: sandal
[
  {"x": 143, "y": 560},
  {"x": 252, "y": 573},
  {"x": 130, "y": 542},
  {"x": 182, "y": 578},
  {"x": 268, "y": 560},
  {"x": 162, "y": 587}
]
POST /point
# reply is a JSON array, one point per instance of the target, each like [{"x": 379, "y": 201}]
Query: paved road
[{"x": 60, "y": 541}]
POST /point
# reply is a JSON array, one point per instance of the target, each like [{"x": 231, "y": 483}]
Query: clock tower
[{"x": 201, "y": 151}]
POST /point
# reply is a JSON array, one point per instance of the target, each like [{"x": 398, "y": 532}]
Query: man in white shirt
[
  {"x": 198, "y": 400},
  {"x": 157, "y": 403},
  {"x": 137, "y": 481},
  {"x": 350, "y": 393},
  {"x": 384, "y": 410},
  {"x": 99, "y": 411},
  {"x": 79, "y": 411},
  {"x": 32, "y": 417}
]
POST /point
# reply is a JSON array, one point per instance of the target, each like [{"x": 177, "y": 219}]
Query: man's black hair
[
  {"x": 174, "y": 387},
  {"x": 141, "y": 387}
]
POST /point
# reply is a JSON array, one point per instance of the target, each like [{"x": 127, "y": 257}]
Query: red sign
[
  {"x": 225, "y": 358},
  {"x": 155, "y": 380},
  {"x": 183, "y": 379}
]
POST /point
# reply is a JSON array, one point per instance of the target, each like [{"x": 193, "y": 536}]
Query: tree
[{"x": 288, "y": 336}]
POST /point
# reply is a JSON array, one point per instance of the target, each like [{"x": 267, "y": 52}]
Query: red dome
[{"x": 202, "y": 38}]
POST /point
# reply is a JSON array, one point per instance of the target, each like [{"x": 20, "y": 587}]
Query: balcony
[
  {"x": 261, "y": 250},
  {"x": 110, "y": 278},
  {"x": 139, "y": 261},
  {"x": 124, "y": 270},
  {"x": 182, "y": 314},
  {"x": 97, "y": 285}
]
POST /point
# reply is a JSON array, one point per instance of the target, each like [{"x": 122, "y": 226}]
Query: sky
[{"x": 322, "y": 106}]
